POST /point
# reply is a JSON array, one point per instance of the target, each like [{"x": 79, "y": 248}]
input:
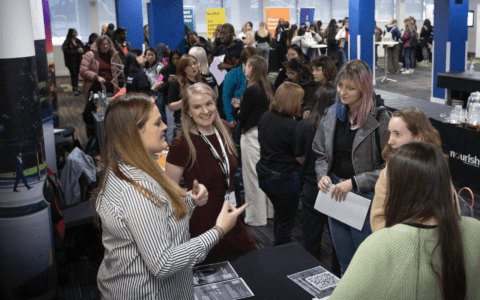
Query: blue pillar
[
  {"x": 167, "y": 14},
  {"x": 129, "y": 16},
  {"x": 362, "y": 31},
  {"x": 449, "y": 41}
]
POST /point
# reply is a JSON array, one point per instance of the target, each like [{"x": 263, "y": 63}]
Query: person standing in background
[
  {"x": 121, "y": 44},
  {"x": 72, "y": 53},
  {"x": 263, "y": 39},
  {"x": 393, "y": 52},
  {"x": 18, "y": 164}
]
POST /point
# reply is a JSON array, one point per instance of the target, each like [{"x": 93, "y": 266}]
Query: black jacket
[
  {"x": 310, "y": 88},
  {"x": 120, "y": 52},
  {"x": 426, "y": 36},
  {"x": 70, "y": 53},
  {"x": 254, "y": 104}
]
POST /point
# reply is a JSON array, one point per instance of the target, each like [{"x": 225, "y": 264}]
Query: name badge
[{"x": 231, "y": 197}]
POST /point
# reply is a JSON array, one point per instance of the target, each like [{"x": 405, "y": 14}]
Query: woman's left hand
[
  {"x": 200, "y": 193},
  {"x": 341, "y": 190},
  {"x": 156, "y": 86}
]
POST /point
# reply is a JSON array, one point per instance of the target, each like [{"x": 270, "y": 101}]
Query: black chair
[
  {"x": 67, "y": 132},
  {"x": 62, "y": 145}
]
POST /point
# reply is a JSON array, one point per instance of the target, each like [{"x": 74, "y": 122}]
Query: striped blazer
[{"x": 148, "y": 253}]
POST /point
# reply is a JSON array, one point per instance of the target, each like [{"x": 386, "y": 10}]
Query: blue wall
[
  {"x": 166, "y": 23},
  {"x": 129, "y": 16},
  {"x": 362, "y": 22}
]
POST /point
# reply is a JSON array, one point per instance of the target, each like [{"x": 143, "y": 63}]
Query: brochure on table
[
  {"x": 352, "y": 211},
  {"x": 318, "y": 282},
  {"x": 219, "y": 282}
]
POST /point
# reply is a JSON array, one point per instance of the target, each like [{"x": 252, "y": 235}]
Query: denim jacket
[{"x": 366, "y": 159}]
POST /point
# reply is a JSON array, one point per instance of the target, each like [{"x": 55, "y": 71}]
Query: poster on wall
[
  {"x": 273, "y": 15},
  {"x": 306, "y": 16},
  {"x": 214, "y": 17},
  {"x": 188, "y": 17}
]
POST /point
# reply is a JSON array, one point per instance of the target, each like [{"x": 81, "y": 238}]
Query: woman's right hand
[
  {"x": 228, "y": 216},
  {"x": 101, "y": 80},
  {"x": 324, "y": 184}
]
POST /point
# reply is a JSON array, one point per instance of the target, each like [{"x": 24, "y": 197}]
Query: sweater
[
  {"x": 233, "y": 86},
  {"x": 394, "y": 263}
]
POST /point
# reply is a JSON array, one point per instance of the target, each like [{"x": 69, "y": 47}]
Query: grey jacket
[{"x": 366, "y": 159}]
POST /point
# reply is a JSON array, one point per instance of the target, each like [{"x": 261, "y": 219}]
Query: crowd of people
[{"x": 318, "y": 128}]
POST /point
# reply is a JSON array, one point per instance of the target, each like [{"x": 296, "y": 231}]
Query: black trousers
[
  {"x": 74, "y": 69},
  {"x": 313, "y": 224}
]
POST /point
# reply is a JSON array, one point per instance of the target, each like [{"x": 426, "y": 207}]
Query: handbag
[{"x": 465, "y": 208}]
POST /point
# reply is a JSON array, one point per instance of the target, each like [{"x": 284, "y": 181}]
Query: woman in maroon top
[{"x": 196, "y": 153}]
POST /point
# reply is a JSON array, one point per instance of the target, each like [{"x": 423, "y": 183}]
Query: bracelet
[{"x": 220, "y": 231}]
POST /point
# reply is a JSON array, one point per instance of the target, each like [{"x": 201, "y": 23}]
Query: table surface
[
  {"x": 319, "y": 46},
  {"x": 265, "y": 271},
  {"x": 460, "y": 81},
  {"x": 386, "y": 43}
]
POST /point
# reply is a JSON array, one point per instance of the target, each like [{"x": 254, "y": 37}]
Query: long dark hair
[
  {"x": 324, "y": 97},
  {"x": 259, "y": 75},
  {"x": 131, "y": 63},
  {"x": 430, "y": 197},
  {"x": 301, "y": 68},
  {"x": 291, "y": 32},
  {"x": 299, "y": 51},
  {"x": 70, "y": 34},
  {"x": 147, "y": 64}
]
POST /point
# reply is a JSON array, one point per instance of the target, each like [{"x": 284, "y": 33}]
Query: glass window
[
  {"x": 323, "y": 10},
  {"x": 199, "y": 9},
  {"x": 340, "y": 9},
  {"x": 65, "y": 14},
  {"x": 414, "y": 8},
  {"x": 428, "y": 11},
  {"x": 239, "y": 12},
  {"x": 290, "y": 4},
  {"x": 384, "y": 10},
  {"x": 106, "y": 13}
]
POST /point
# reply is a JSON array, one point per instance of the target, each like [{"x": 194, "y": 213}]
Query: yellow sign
[{"x": 214, "y": 17}]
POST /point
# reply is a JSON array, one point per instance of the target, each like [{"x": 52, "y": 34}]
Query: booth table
[
  {"x": 459, "y": 81},
  {"x": 385, "y": 44},
  {"x": 265, "y": 271},
  {"x": 462, "y": 145},
  {"x": 316, "y": 50}
]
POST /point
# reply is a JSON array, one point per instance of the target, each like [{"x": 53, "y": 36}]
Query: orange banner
[{"x": 273, "y": 15}]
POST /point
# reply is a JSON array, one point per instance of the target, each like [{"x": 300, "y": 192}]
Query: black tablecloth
[
  {"x": 265, "y": 271},
  {"x": 460, "y": 81},
  {"x": 462, "y": 145}
]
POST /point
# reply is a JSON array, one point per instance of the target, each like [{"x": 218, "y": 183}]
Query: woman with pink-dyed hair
[{"x": 348, "y": 143}]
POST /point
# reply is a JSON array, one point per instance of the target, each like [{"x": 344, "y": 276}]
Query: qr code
[{"x": 323, "y": 281}]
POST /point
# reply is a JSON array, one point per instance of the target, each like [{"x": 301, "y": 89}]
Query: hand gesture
[
  {"x": 200, "y": 193},
  {"x": 101, "y": 79},
  {"x": 228, "y": 216},
  {"x": 156, "y": 86}
]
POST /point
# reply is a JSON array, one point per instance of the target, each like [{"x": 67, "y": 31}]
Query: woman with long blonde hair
[
  {"x": 205, "y": 150},
  {"x": 263, "y": 39},
  {"x": 144, "y": 214}
]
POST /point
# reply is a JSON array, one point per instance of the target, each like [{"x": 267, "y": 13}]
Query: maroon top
[{"x": 207, "y": 171}]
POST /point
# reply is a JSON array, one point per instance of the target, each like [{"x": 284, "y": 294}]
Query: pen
[{"x": 327, "y": 181}]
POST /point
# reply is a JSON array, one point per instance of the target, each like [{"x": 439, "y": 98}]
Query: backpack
[
  {"x": 414, "y": 39},
  {"x": 388, "y": 37}
]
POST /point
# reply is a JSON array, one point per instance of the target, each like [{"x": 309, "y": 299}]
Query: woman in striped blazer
[{"x": 144, "y": 214}]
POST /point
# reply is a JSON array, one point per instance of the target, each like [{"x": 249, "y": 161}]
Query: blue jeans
[
  {"x": 409, "y": 58},
  {"x": 285, "y": 195},
  {"x": 347, "y": 239}
]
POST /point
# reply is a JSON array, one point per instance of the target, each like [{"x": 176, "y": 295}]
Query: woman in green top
[{"x": 426, "y": 251}]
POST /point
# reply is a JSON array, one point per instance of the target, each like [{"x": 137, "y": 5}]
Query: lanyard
[{"x": 223, "y": 163}]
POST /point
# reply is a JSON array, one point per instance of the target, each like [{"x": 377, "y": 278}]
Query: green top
[{"x": 394, "y": 263}]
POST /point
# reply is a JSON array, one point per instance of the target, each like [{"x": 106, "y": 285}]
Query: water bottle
[
  {"x": 472, "y": 70},
  {"x": 473, "y": 108}
]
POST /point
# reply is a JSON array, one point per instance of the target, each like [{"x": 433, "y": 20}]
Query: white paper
[
  {"x": 352, "y": 211},
  {"x": 218, "y": 74},
  {"x": 57, "y": 130},
  {"x": 317, "y": 281}
]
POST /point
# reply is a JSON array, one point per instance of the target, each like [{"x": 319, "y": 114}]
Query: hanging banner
[
  {"x": 188, "y": 17},
  {"x": 306, "y": 16},
  {"x": 52, "y": 85},
  {"x": 273, "y": 15},
  {"x": 214, "y": 17}
]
